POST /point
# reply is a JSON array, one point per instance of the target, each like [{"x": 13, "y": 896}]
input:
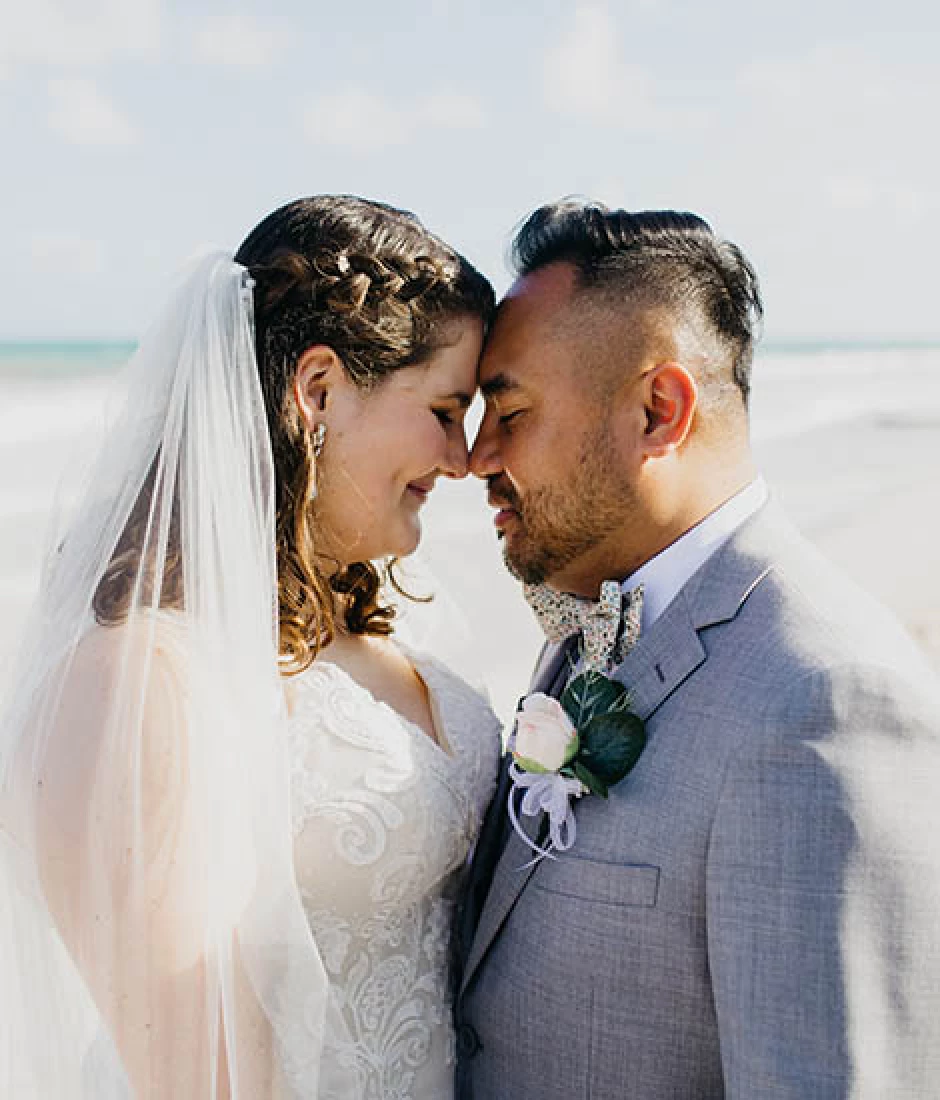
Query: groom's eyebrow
[{"x": 498, "y": 385}]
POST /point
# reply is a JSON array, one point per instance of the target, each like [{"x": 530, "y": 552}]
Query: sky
[{"x": 134, "y": 132}]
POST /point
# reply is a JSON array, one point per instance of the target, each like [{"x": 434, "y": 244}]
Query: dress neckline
[{"x": 441, "y": 742}]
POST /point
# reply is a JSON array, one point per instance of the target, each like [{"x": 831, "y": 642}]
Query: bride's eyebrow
[{"x": 464, "y": 400}]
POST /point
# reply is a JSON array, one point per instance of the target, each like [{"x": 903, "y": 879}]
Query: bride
[{"x": 232, "y": 807}]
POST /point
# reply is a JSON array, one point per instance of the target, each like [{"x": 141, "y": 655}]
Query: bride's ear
[{"x": 319, "y": 372}]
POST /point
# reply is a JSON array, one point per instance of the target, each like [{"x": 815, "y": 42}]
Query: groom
[{"x": 755, "y": 910}]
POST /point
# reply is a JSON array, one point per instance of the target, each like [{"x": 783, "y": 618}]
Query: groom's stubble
[{"x": 559, "y": 523}]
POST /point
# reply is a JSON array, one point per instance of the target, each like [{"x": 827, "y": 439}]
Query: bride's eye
[{"x": 444, "y": 416}]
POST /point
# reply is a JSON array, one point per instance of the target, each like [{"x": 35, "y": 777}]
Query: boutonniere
[{"x": 583, "y": 743}]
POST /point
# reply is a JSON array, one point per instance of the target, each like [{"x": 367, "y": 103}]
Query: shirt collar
[{"x": 665, "y": 575}]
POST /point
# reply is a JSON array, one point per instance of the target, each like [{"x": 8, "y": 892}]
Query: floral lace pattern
[{"x": 383, "y": 820}]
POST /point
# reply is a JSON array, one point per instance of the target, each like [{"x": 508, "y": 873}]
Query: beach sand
[{"x": 866, "y": 493}]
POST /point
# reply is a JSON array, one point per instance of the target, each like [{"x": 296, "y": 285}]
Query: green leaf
[
  {"x": 591, "y": 694},
  {"x": 611, "y": 744},
  {"x": 590, "y": 780}
]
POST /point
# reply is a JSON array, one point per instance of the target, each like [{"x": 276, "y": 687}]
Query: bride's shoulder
[
  {"x": 156, "y": 644},
  {"x": 117, "y": 697}
]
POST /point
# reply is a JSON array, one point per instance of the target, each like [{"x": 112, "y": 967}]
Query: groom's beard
[{"x": 559, "y": 523}]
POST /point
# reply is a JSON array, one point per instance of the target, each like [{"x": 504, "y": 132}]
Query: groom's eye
[{"x": 508, "y": 418}]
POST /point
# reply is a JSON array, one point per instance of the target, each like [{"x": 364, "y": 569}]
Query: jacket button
[{"x": 468, "y": 1042}]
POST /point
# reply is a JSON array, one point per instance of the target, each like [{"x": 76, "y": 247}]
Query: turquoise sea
[{"x": 42, "y": 362}]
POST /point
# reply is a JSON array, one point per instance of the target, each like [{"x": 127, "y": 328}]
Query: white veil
[{"x": 152, "y": 939}]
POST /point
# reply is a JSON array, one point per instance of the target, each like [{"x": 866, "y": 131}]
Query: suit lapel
[
  {"x": 672, "y": 649},
  {"x": 657, "y": 666}
]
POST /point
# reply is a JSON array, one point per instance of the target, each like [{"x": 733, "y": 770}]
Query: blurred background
[{"x": 133, "y": 132}]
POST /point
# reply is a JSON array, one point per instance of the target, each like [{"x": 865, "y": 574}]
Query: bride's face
[{"x": 386, "y": 447}]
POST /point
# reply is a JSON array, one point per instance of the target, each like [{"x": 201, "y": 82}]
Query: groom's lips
[{"x": 504, "y": 513}]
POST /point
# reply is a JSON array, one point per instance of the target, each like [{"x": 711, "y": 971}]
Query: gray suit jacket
[{"x": 755, "y": 910}]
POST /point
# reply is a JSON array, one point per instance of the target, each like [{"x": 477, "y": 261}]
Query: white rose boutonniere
[
  {"x": 546, "y": 739},
  {"x": 562, "y": 749}
]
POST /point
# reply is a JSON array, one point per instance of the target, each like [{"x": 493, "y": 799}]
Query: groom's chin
[{"x": 523, "y": 571}]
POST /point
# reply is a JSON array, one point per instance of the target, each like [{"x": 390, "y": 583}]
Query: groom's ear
[
  {"x": 671, "y": 397},
  {"x": 319, "y": 371}
]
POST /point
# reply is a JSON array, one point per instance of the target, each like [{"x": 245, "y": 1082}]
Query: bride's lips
[{"x": 421, "y": 489}]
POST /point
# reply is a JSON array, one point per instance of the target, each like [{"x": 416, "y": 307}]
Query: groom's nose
[{"x": 484, "y": 455}]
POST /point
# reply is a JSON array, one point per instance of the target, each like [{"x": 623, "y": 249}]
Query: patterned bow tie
[{"x": 609, "y": 626}]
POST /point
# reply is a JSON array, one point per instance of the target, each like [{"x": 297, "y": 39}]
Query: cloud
[
  {"x": 357, "y": 119},
  {"x": 453, "y": 111},
  {"x": 83, "y": 115},
  {"x": 907, "y": 202},
  {"x": 66, "y": 254},
  {"x": 840, "y": 92},
  {"x": 846, "y": 126},
  {"x": 238, "y": 40},
  {"x": 852, "y": 194},
  {"x": 77, "y": 32},
  {"x": 839, "y": 81},
  {"x": 584, "y": 75}
]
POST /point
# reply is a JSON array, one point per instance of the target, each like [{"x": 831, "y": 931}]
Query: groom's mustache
[{"x": 500, "y": 494}]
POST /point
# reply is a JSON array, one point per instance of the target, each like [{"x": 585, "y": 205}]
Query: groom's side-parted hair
[{"x": 662, "y": 258}]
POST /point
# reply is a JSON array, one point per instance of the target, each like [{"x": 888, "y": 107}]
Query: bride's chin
[
  {"x": 411, "y": 539},
  {"x": 409, "y": 545},
  {"x": 401, "y": 544}
]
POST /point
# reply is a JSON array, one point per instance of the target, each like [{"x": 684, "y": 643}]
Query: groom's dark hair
[{"x": 660, "y": 258}]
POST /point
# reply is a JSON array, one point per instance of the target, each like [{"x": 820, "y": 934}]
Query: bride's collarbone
[{"x": 379, "y": 666}]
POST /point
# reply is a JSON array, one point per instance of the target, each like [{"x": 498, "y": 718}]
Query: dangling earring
[
  {"x": 319, "y": 435},
  {"x": 316, "y": 447}
]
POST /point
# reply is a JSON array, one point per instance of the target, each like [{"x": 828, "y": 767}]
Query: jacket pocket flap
[{"x": 591, "y": 880}]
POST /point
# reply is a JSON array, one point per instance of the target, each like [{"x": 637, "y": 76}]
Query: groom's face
[{"x": 549, "y": 447}]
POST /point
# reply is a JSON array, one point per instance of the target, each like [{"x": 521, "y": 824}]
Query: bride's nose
[
  {"x": 484, "y": 457},
  {"x": 457, "y": 458}
]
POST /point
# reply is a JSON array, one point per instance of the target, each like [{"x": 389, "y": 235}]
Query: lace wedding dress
[{"x": 383, "y": 819}]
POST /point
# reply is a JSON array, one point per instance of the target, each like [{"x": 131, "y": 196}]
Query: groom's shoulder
[{"x": 805, "y": 616}]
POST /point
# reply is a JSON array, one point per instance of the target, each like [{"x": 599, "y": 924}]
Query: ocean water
[{"x": 52, "y": 398}]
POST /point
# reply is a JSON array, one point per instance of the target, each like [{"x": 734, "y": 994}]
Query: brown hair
[{"x": 373, "y": 284}]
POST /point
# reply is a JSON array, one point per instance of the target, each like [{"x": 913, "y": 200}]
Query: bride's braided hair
[{"x": 373, "y": 284}]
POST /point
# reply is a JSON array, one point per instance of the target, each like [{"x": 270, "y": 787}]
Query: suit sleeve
[{"x": 823, "y": 895}]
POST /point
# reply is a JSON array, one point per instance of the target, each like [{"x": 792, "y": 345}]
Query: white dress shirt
[{"x": 663, "y": 576}]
